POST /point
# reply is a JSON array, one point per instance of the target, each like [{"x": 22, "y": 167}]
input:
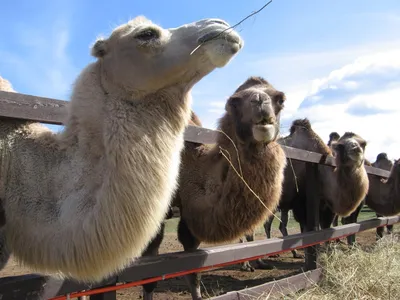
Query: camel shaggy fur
[
  {"x": 341, "y": 189},
  {"x": 352, "y": 218},
  {"x": 83, "y": 203},
  {"x": 215, "y": 204},
  {"x": 383, "y": 162},
  {"x": 384, "y": 195}
]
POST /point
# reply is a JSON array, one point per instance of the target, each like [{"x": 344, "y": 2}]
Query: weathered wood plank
[
  {"x": 281, "y": 287},
  {"x": 27, "y": 107}
]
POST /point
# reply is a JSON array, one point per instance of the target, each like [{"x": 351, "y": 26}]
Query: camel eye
[{"x": 148, "y": 34}]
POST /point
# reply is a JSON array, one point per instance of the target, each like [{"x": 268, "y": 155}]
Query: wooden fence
[{"x": 165, "y": 266}]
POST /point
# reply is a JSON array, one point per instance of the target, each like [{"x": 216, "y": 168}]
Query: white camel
[{"x": 83, "y": 203}]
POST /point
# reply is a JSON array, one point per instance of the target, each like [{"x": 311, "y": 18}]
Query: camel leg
[
  {"x": 389, "y": 229},
  {"x": 152, "y": 250},
  {"x": 246, "y": 266},
  {"x": 379, "y": 230},
  {"x": 267, "y": 229},
  {"x": 283, "y": 230},
  {"x": 259, "y": 262},
  {"x": 351, "y": 239},
  {"x": 190, "y": 243},
  {"x": 326, "y": 218},
  {"x": 335, "y": 221}
]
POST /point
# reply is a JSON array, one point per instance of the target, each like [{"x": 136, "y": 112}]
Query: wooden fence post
[{"x": 312, "y": 207}]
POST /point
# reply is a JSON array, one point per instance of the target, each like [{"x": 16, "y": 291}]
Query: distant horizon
[{"x": 338, "y": 63}]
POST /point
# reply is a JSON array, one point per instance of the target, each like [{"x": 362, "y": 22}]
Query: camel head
[
  {"x": 333, "y": 137},
  {"x": 140, "y": 57},
  {"x": 349, "y": 150},
  {"x": 255, "y": 109},
  {"x": 5, "y": 85},
  {"x": 383, "y": 162}
]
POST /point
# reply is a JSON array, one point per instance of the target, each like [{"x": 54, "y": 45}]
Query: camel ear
[
  {"x": 99, "y": 48},
  {"x": 232, "y": 104},
  {"x": 336, "y": 146}
]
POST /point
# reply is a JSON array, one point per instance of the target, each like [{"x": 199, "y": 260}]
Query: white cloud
[{"x": 363, "y": 97}]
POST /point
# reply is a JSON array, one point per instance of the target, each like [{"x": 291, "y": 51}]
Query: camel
[
  {"x": 82, "y": 204},
  {"x": 383, "y": 162},
  {"x": 352, "y": 218},
  {"x": 215, "y": 204},
  {"x": 384, "y": 195},
  {"x": 333, "y": 137},
  {"x": 342, "y": 188}
]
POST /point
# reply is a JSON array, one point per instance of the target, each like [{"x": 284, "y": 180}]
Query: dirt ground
[{"x": 214, "y": 282}]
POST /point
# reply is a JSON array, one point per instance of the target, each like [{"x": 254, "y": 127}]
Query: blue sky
[{"x": 338, "y": 61}]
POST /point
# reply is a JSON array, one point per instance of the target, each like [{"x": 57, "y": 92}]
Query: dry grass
[{"x": 356, "y": 273}]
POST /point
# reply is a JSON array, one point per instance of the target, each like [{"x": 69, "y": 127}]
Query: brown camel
[
  {"x": 333, "y": 137},
  {"x": 383, "y": 162},
  {"x": 384, "y": 195},
  {"x": 352, "y": 218},
  {"x": 342, "y": 189},
  {"x": 216, "y": 205}
]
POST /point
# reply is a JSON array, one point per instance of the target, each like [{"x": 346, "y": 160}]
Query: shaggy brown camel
[
  {"x": 84, "y": 203},
  {"x": 352, "y": 218},
  {"x": 384, "y": 195},
  {"x": 342, "y": 188},
  {"x": 383, "y": 162},
  {"x": 333, "y": 137},
  {"x": 216, "y": 205}
]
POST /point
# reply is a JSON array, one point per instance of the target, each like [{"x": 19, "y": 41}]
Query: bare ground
[{"x": 214, "y": 282}]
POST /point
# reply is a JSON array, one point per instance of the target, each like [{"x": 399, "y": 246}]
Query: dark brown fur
[
  {"x": 336, "y": 192},
  {"x": 384, "y": 195},
  {"x": 215, "y": 204}
]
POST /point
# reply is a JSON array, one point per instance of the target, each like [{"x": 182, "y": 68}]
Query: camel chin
[{"x": 264, "y": 133}]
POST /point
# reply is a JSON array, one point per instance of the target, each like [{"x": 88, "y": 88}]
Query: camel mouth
[
  {"x": 231, "y": 37},
  {"x": 264, "y": 133},
  {"x": 263, "y": 122}
]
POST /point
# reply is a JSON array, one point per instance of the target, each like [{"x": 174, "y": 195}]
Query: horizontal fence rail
[
  {"x": 52, "y": 111},
  {"x": 170, "y": 265}
]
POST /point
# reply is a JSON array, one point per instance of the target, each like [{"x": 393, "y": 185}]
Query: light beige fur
[
  {"x": 84, "y": 203},
  {"x": 5, "y": 85}
]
